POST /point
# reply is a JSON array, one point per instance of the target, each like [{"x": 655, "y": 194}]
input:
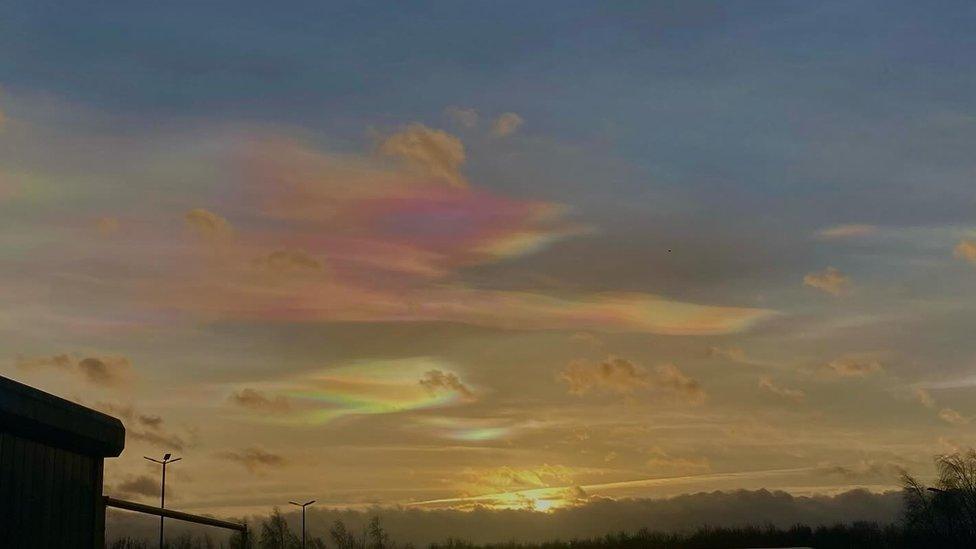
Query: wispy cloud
[
  {"x": 464, "y": 117},
  {"x": 924, "y": 397},
  {"x": 949, "y": 415},
  {"x": 768, "y": 385},
  {"x": 839, "y": 232}
]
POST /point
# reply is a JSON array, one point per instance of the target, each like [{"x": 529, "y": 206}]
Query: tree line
[{"x": 939, "y": 516}]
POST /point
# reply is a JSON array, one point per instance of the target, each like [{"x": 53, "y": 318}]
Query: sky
[{"x": 505, "y": 255}]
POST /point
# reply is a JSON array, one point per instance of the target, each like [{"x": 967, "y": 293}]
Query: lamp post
[
  {"x": 167, "y": 459},
  {"x": 303, "y": 506}
]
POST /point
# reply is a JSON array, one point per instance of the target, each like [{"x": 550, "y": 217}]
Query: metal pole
[
  {"x": 162, "y": 505},
  {"x": 303, "y": 506}
]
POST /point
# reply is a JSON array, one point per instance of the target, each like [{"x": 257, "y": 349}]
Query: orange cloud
[
  {"x": 207, "y": 224},
  {"x": 966, "y": 250},
  {"x": 433, "y": 152},
  {"x": 507, "y": 124},
  {"x": 924, "y": 397},
  {"x": 831, "y": 281},
  {"x": 949, "y": 415},
  {"x": 852, "y": 366}
]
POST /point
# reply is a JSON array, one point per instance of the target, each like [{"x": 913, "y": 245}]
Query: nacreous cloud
[{"x": 347, "y": 238}]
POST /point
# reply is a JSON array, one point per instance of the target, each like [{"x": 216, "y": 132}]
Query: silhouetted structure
[{"x": 51, "y": 460}]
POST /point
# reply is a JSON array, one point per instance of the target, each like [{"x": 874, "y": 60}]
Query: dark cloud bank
[{"x": 590, "y": 520}]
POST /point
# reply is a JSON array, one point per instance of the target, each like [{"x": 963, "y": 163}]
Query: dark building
[{"x": 51, "y": 458}]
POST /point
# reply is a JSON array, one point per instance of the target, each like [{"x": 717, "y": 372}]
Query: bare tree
[{"x": 944, "y": 514}]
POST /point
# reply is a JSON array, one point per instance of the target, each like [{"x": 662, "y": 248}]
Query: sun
[{"x": 544, "y": 505}]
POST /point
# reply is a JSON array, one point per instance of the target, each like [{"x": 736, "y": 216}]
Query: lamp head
[{"x": 166, "y": 457}]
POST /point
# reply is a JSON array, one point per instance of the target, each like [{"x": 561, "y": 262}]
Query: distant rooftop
[{"x": 43, "y": 417}]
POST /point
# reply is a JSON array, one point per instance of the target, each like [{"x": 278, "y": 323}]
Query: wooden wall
[{"x": 49, "y": 497}]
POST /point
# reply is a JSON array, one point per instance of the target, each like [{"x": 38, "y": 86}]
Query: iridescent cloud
[{"x": 360, "y": 388}]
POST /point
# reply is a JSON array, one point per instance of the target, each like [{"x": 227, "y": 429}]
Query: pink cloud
[{"x": 381, "y": 243}]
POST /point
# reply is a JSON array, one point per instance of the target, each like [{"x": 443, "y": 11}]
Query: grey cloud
[
  {"x": 207, "y": 224},
  {"x": 436, "y": 380},
  {"x": 619, "y": 375},
  {"x": 142, "y": 485},
  {"x": 254, "y": 459},
  {"x": 105, "y": 371},
  {"x": 258, "y": 401}
]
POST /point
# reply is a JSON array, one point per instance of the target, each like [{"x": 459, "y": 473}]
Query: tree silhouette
[
  {"x": 944, "y": 515},
  {"x": 275, "y": 533}
]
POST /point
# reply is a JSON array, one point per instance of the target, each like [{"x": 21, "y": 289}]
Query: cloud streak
[{"x": 254, "y": 459}]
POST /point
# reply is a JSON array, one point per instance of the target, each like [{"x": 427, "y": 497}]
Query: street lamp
[
  {"x": 303, "y": 506},
  {"x": 162, "y": 492}
]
